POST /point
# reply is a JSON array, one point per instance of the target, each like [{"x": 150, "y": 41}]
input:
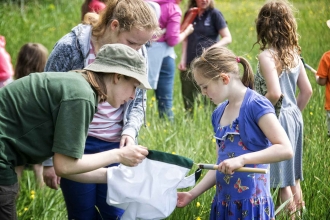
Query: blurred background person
[
  {"x": 6, "y": 68},
  {"x": 209, "y": 26},
  {"x": 162, "y": 56}
]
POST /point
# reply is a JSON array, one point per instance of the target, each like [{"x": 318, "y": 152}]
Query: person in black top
[{"x": 209, "y": 25}]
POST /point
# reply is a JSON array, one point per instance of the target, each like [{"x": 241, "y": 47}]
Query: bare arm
[
  {"x": 52, "y": 180},
  {"x": 209, "y": 180},
  {"x": 281, "y": 148},
  {"x": 279, "y": 151},
  {"x": 184, "y": 198},
  {"x": 206, "y": 183},
  {"x": 305, "y": 88},
  {"x": 186, "y": 32},
  {"x": 183, "y": 62},
  {"x": 269, "y": 72},
  {"x": 95, "y": 176},
  {"x": 322, "y": 73},
  {"x": 320, "y": 81},
  {"x": 131, "y": 156},
  {"x": 225, "y": 38}
]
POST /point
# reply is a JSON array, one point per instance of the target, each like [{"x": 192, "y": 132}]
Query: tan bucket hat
[{"x": 121, "y": 59}]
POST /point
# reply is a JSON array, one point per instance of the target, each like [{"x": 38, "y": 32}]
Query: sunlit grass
[
  {"x": 46, "y": 21},
  {"x": 36, "y": 203}
]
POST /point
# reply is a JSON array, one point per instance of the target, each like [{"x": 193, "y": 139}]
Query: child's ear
[
  {"x": 225, "y": 78},
  {"x": 116, "y": 78},
  {"x": 114, "y": 25}
]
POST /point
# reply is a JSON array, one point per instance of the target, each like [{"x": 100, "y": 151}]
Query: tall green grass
[{"x": 46, "y": 21}]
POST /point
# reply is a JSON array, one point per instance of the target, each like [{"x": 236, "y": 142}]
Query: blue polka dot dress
[{"x": 241, "y": 195}]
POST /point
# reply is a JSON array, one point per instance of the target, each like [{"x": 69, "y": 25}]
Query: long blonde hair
[
  {"x": 91, "y": 18},
  {"x": 216, "y": 60},
  {"x": 129, "y": 13}
]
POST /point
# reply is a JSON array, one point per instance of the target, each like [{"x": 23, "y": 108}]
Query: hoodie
[{"x": 170, "y": 19}]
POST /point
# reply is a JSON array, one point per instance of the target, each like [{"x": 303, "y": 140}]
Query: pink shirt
[
  {"x": 170, "y": 19},
  {"x": 6, "y": 68},
  {"x": 107, "y": 123}
]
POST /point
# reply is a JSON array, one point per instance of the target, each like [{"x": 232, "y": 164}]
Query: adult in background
[
  {"x": 130, "y": 22},
  {"x": 48, "y": 114},
  {"x": 161, "y": 55},
  {"x": 209, "y": 24}
]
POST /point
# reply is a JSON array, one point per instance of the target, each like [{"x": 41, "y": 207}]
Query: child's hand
[
  {"x": 184, "y": 198},
  {"x": 50, "y": 177},
  {"x": 230, "y": 165},
  {"x": 126, "y": 140}
]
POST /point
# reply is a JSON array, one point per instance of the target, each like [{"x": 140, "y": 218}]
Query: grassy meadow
[{"x": 46, "y": 21}]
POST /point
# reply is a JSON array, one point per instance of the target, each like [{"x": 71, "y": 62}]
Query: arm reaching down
[
  {"x": 66, "y": 166},
  {"x": 305, "y": 88}
]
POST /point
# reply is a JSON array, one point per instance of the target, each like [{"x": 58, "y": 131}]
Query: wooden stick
[
  {"x": 310, "y": 68},
  {"x": 242, "y": 169}
]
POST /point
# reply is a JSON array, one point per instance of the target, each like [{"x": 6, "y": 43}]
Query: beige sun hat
[
  {"x": 121, "y": 59},
  {"x": 328, "y": 23}
]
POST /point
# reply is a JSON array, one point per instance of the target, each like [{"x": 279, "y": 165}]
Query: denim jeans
[
  {"x": 164, "y": 91},
  {"x": 82, "y": 199}
]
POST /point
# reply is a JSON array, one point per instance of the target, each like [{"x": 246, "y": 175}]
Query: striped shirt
[{"x": 107, "y": 123}]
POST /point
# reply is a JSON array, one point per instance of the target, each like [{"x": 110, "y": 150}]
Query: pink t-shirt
[
  {"x": 107, "y": 123},
  {"x": 170, "y": 19},
  {"x": 6, "y": 68}
]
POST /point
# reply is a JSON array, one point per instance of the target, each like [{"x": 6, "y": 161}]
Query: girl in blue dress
[{"x": 248, "y": 134}]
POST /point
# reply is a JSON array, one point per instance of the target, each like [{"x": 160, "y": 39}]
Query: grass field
[{"x": 46, "y": 21}]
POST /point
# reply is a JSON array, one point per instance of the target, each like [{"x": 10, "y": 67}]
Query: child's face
[
  {"x": 135, "y": 38},
  {"x": 210, "y": 87},
  {"x": 121, "y": 90}
]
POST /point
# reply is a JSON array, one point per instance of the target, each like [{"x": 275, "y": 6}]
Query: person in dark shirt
[{"x": 209, "y": 26}]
